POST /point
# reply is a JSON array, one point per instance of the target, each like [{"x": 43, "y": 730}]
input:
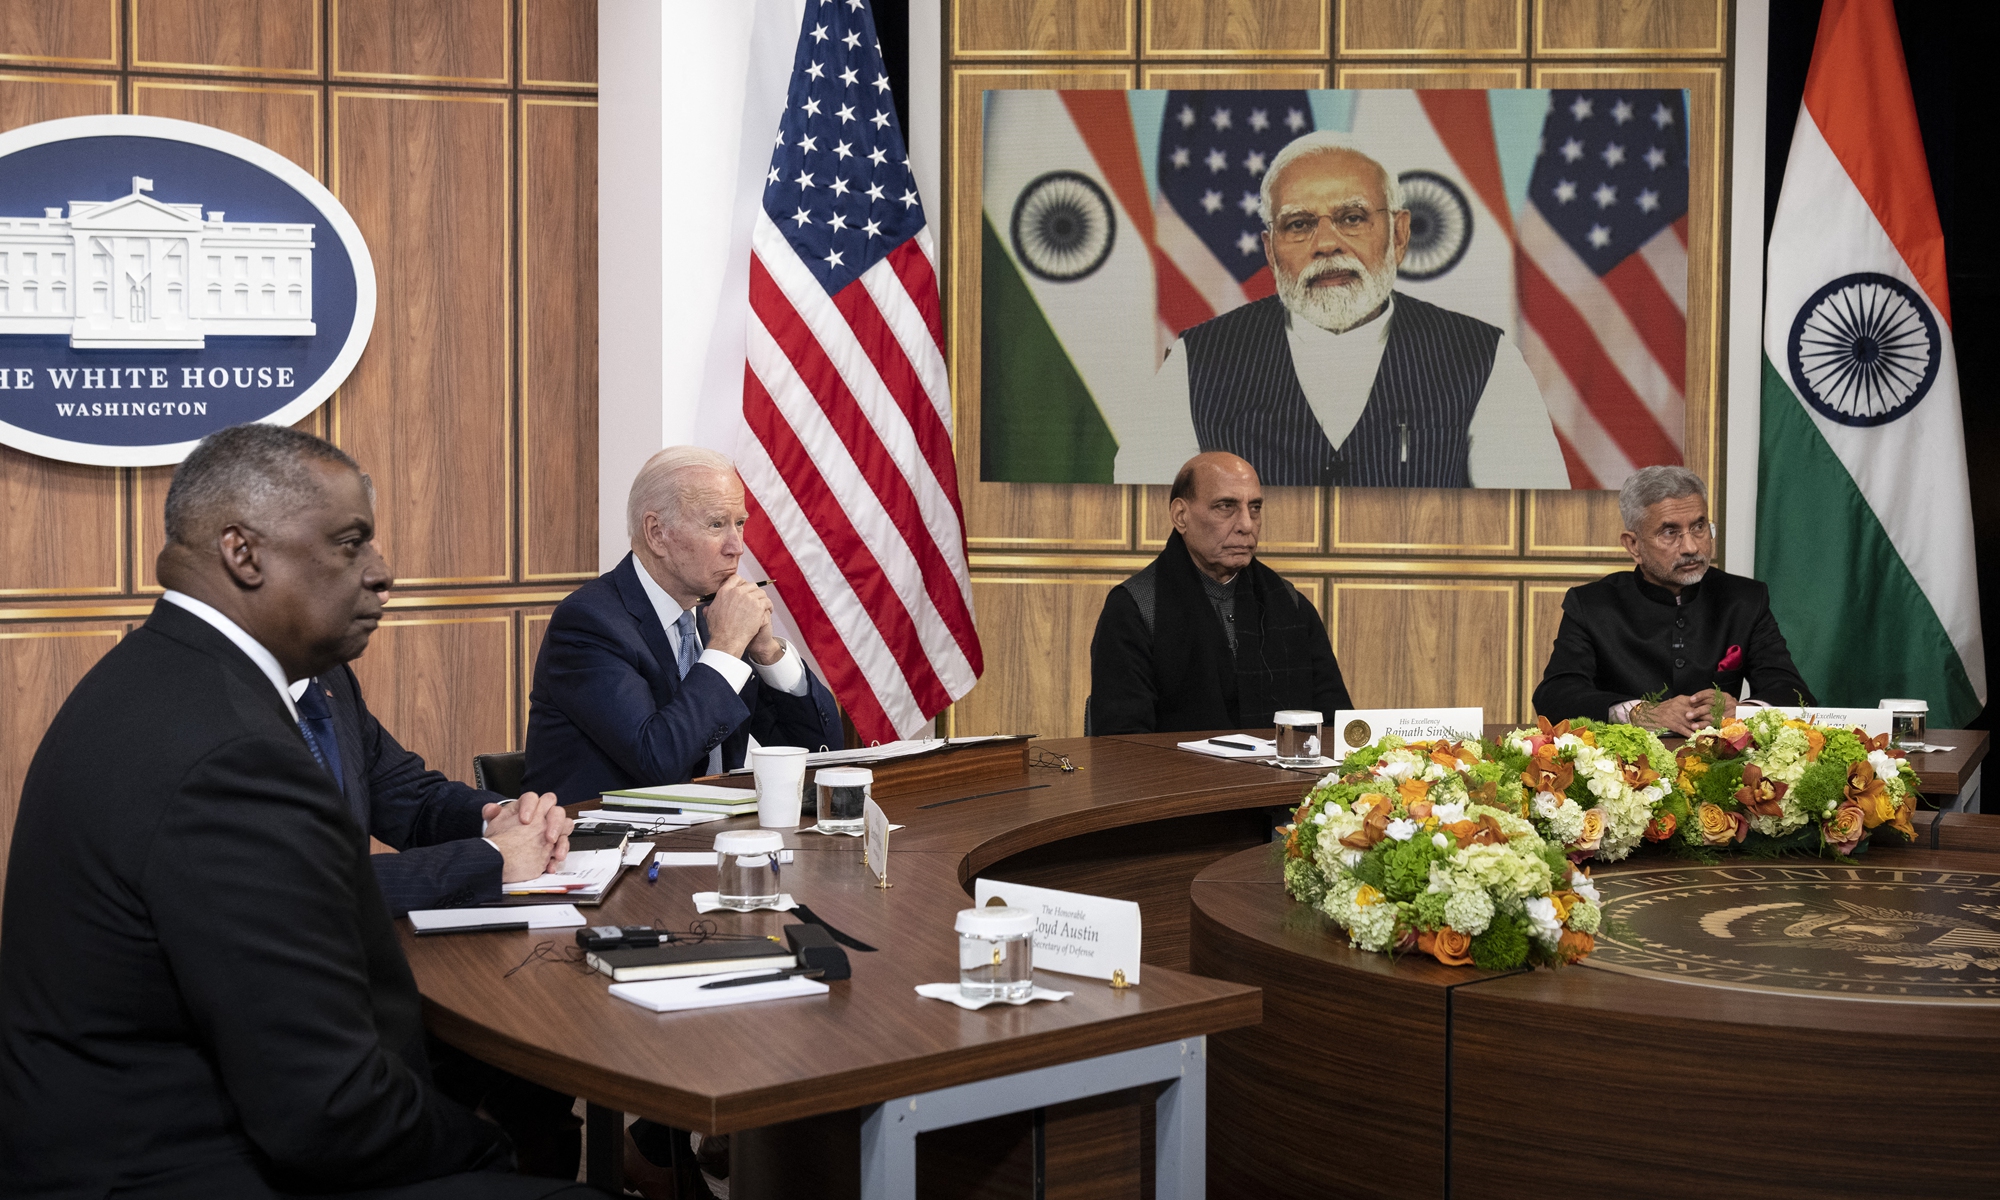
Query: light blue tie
[{"x": 688, "y": 651}]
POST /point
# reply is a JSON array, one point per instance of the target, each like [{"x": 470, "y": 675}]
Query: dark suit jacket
[
  {"x": 610, "y": 710},
  {"x": 433, "y": 820},
  {"x": 1622, "y": 638},
  {"x": 201, "y": 993}
]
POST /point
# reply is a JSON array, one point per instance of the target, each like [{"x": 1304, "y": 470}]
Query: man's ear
[
  {"x": 656, "y": 534},
  {"x": 1402, "y": 234},
  {"x": 1630, "y": 541},
  {"x": 242, "y": 555},
  {"x": 1177, "y": 511}
]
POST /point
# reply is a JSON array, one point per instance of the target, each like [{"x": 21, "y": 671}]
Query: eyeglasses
[
  {"x": 1671, "y": 535},
  {"x": 1352, "y": 221}
]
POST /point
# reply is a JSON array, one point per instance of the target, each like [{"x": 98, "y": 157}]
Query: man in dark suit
[
  {"x": 201, "y": 993},
  {"x": 642, "y": 679},
  {"x": 1207, "y": 637},
  {"x": 1654, "y": 645},
  {"x": 458, "y": 844}
]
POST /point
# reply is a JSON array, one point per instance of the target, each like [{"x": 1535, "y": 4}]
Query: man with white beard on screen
[{"x": 1338, "y": 379}]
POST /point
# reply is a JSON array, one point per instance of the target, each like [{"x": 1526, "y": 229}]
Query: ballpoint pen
[{"x": 773, "y": 977}]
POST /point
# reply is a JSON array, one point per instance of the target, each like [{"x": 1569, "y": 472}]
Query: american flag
[
  {"x": 1601, "y": 268},
  {"x": 853, "y": 486}
]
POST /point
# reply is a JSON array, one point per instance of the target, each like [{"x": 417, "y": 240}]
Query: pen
[
  {"x": 1230, "y": 744},
  {"x": 521, "y": 924},
  {"x": 710, "y": 598},
  {"x": 773, "y": 977},
  {"x": 653, "y": 872}
]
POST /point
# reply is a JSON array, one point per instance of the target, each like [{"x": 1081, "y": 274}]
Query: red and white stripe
[
  {"x": 1609, "y": 353},
  {"x": 852, "y": 482}
]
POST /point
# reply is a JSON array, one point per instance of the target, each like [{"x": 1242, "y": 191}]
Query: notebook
[
  {"x": 690, "y": 958},
  {"x": 690, "y": 797}
]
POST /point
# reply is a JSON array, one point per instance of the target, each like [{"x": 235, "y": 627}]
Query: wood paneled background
[
  {"x": 447, "y": 127},
  {"x": 450, "y": 126},
  {"x": 1432, "y": 597}
]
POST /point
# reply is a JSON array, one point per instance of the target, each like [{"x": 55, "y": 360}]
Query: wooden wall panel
[
  {"x": 558, "y": 338},
  {"x": 1433, "y": 28},
  {"x": 534, "y": 624},
  {"x": 1405, "y": 643},
  {"x": 62, "y": 526},
  {"x": 427, "y": 410},
  {"x": 423, "y": 41},
  {"x": 1010, "y": 516},
  {"x": 1233, "y": 28},
  {"x": 1426, "y": 521},
  {"x": 1039, "y": 684},
  {"x": 248, "y": 37},
  {"x": 1541, "y": 614},
  {"x": 1293, "y": 519},
  {"x": 1043, "y": 28},
  {"x": 1574, "y": 523},
  {"x": 39, "y": 664},
  {"x": 1236, "y": 75},
  {"x": 444, "y": 685},
  {"x": 1647, "y": 28},
  {"x": 1436, "y": 75},
  {"x": 559, "y": 43},
  {"x": 59, "y": 33}
]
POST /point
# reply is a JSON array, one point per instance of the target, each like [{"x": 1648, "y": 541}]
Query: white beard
[{"x": 1337, "y": 309}]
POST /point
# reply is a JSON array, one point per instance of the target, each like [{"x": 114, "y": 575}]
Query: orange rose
[
  {"x": 1574, "y": 946},
  {"x": 1716, "y": 827},
  {"x": 1448, "y": 946},
  {"x": 1419, "y": 809},
  {"x": 1413, "y": 790},
  {"x": 1661, "y": 827},
  {"x": 1844, "y": 829},
  {"x": 1593, "y": 830}
]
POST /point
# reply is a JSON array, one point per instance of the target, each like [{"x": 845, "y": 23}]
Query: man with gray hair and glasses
[
  {"x": 1654, "y": 645},
  {"x": 1337, "y": 378}
]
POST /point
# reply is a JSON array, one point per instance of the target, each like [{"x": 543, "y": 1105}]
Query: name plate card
[
  {"x": 1873, "y": 721},
  {"x": 875, "y": 841},
  {"x": 1074, "y": 934},
  {"x": 1354, "y": 728}
]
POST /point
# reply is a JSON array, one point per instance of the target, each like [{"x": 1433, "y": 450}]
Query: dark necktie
[{"x": 316, "y": 723}]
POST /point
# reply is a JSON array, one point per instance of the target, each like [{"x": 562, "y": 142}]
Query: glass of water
[
  {"x": 996, "y": 953},
  {"x": 1297, "y": 737},
  {"x": 746, "y": 862},
  {"x": 842, "y": 793}
]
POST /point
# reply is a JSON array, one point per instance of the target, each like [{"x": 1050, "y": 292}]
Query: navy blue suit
[
  {"x": 433, "y": 820},
  {"x": 609, "y": 709}
]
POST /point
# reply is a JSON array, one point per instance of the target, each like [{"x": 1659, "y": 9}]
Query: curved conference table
[{"x": 793, "y": 1079}]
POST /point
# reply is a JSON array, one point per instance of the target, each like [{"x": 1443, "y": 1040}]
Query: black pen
[
  {"x": 773, "y": 977},
  {"x": 1231, "y": 745},
  {"x": 520, "y": 924},
  {"x": 710, "y": 598}
]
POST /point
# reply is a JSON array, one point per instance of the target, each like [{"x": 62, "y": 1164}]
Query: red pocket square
[{"x": 1732, "y": 659}]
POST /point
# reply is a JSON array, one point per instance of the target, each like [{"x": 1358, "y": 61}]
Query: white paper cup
[{"x": 780, "y": 772}]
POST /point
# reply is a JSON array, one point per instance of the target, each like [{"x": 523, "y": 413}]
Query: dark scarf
[{"x": 1200, "y": 685}]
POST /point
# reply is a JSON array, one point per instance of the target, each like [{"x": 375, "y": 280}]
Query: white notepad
[
  {"x": 673, "y": 995},
  {"x": 538, "y": 916}
]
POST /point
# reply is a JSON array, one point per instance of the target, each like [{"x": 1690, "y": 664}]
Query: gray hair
[
  {"x": 1649, "y": 485},
  {"x": 246, "y": 472},
  {"x": 1325, "y": 141},
  {"x": 660, "y": 486}
]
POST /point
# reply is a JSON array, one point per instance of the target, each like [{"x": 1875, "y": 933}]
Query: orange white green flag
[{"x": 1864, "y": 515}]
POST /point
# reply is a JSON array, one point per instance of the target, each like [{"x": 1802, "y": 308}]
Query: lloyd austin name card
[
  {"x": 1074, "y": 934},
  {"x": 1353, "y": 728}
]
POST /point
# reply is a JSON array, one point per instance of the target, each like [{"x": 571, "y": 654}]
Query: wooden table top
[{"x": 872, "y": 1038}]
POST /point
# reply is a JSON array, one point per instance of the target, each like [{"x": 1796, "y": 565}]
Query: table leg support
[
  {"x": 604, "y": 1141},
  {"x": 889, "y": 1134}
]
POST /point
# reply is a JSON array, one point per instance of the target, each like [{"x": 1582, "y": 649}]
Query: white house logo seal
[{"x": 160, "y": 280}]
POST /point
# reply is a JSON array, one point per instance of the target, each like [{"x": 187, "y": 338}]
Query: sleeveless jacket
[{"x": 1414, "y": 431}]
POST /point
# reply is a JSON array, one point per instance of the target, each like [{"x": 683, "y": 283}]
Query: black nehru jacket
[
  {"x": 1623, "y": 638},
  {"x": 201, "y": 993},
  {"x": 1161, "y": 660}
]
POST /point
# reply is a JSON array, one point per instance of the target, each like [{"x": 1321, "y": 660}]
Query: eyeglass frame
[{"x": 1279, "y": 233}]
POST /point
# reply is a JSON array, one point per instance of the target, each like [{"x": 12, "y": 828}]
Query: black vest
[{"x": 1414, "y": 432}]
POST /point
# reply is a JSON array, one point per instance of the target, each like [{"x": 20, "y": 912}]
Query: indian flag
[{"x": 1864, "y": 516}]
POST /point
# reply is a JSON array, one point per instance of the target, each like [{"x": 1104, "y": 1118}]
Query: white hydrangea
[
  {"x": 1543, "y": 923},
  {"x": 1469, "y": 912},
  {"x": 1566, "y": 821}
]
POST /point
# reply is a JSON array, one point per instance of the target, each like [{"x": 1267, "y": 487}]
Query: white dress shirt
[
  {"x": 266, "y": 661},
  {"x": 1513, "y": 442}
]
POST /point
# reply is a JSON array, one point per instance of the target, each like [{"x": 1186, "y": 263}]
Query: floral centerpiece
[
  {"x": 1774, "y": 784},
  {"x": 1589, "y": 787},
  {"x": 1406, "y": 848}
]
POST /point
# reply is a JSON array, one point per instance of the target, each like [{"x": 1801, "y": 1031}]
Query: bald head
[{"x": 1217, "y": 506}]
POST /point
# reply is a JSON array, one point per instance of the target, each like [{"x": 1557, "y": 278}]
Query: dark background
[{"x": 1948, "y": 47}]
